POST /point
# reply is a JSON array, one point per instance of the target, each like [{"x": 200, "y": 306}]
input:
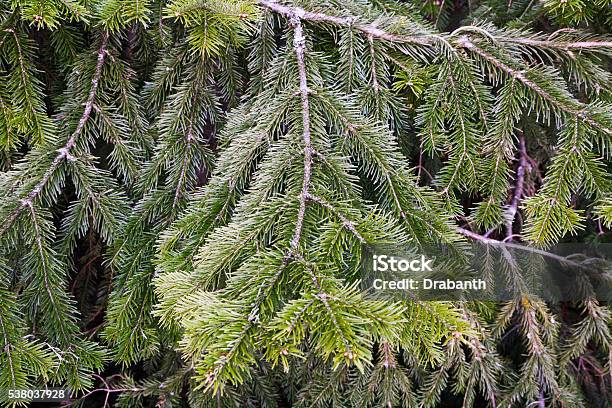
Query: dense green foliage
[{"x": 186, "y": 188}]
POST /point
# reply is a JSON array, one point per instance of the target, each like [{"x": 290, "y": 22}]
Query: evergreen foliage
[{"x": 187, "y": 187}]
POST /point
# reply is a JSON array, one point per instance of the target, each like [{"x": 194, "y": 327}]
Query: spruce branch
[
  {"x": 519, "y": 186},
  {"x": 348, "y": 224},
  {"x": 504, "y": 244},
  {"x": 56, "y": 309},
  {"x": 299, "y": 46},
  {"x": 7, "y": 349},
  {"x": 64, "y": 153},
  {"x": 348, "y": 22},
  {"x": 465, "y": 42},
  {"x": 559, "y": 45},
  {"x": 574, "y": 168},
  {"x": 22, "y": 68},
  {"x": 22, "y": 357},
  {"x": 28, "y": 111},
  {"x": 325, "y": 298},
  {"x": 238, "y": 272},
  {"x": 465, "y": 144}
]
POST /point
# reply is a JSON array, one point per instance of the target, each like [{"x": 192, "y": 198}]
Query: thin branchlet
[
  {"x": 518, "y": 187},
  {"x": 64, "y": 152},
  {"x": 348, "y": 22},
  {"x": 348, "y": 224},
  {"x": 561, "y": 45},
  {"x": 7, "y": 350},
  {"x": 299, "y": 46},
  {"x": 468, "y": 44}
]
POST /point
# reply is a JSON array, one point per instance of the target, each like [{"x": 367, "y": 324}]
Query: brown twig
[
  {"x": 519, "y": 187},
  {"x": 107, "y": 390}
]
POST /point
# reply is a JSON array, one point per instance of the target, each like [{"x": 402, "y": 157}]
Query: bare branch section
[
  {"x": 466, "y": 43},
  {"x": 64, "y": 152},
  {"x": 501, "y": 244},
  {"x": 349, "y": 22},
  {"x": 299, "y": 45},
  {"x": 518, "y": 189}
]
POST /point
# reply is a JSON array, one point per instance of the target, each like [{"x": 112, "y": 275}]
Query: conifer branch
[
  {"x": 299, "y": 46},
  {"x": 348, "y": 22},
  {"x": 374, "y": 72},
  {"x": 348, "y": 224},
  {"x": 466, "y": 43},
  {"x": 38, "y": 238},
  {"x": 561, "y": 45},
  {"x": 518, "y": 188},
  {"x": 324, "y": 297},
  {"x": 315, "y": 148},
  {"x": 252, "y": 319},
  {"x": 24, "y": 80},
  {"x": 464, "y": 152},
  {"x": 7, "y": 349},
  {"x": 64, "y": 152},
  {"x": 371, "y": 30},
  {"x": 494, "y": 242}
]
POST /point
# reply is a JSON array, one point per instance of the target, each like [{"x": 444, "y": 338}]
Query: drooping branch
[
  {"x": 64, "y": 152},
  {"x": 39, "y": 246},
  {"x": 535, "y": 40},
  {"x": 299, "y": 44},
  {"x": 493, "y": 242},
  {"x": 466, "y": 43},
  {"x": 370, "y": 29},
  {"x": 24, "y": 81}
]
